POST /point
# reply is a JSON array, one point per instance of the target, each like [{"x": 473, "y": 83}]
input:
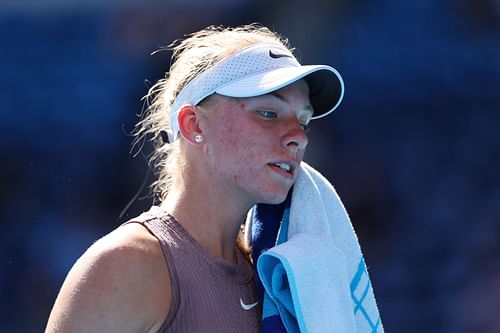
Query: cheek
[{"x": 239, "y": 147}]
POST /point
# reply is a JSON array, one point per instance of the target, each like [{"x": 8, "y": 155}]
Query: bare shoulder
[{"x": 120, "y": 284}]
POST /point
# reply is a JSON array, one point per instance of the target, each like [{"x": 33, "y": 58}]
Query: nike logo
[
  {"x": 278, "y": 55},
  {"x": 248, "y": 306}
]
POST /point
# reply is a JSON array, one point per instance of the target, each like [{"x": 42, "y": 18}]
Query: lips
[{"x": 284, "y": 168}]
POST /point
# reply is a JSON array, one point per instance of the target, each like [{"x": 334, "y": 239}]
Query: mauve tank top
[{"x": 208, "y": 293}]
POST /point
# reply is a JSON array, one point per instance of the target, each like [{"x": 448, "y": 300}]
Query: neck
[{"x": 210, "y": 214}]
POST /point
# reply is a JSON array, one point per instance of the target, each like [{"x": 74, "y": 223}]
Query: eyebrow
[{"x": 283, "y": 99}]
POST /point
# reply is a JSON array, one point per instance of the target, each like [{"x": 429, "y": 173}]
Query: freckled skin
[{"x": 240, "y": 142}]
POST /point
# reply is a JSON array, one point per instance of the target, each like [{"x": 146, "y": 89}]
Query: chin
[
  {"x": 273, "y": 199},
  {"x": 273, "y": 202},
  {"x": 269, "y": 193}
]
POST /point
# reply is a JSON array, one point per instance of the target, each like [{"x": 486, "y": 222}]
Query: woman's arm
[{"x": 120, "y": 284}]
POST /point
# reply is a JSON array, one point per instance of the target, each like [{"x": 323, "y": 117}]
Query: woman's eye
[
  {"x": 305, "y": 127},
  {"x": 267, "y": 114}
]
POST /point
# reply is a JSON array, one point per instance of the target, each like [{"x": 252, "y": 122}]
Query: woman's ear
[{"x": 188, "y": 124}]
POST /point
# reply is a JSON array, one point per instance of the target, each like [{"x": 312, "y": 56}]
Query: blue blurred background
[{"x": 413, "y": 150}]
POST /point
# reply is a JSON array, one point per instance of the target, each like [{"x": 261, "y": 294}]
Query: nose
[{"x": 294, "y": 139}]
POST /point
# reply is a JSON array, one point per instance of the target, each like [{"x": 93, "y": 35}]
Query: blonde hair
[{"x": 191, "y": 56}]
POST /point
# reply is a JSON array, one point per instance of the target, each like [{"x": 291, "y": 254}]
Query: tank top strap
[{"x": 204, "y": 286}]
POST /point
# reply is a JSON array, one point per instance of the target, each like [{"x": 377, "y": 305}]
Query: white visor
[{"x": 257, "y": 70}]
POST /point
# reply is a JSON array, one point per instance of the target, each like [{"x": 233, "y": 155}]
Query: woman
[{"x": 236, "y": 105}]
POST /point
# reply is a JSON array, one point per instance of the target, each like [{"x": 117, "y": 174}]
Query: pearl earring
[{"x": 198, "y": 138}]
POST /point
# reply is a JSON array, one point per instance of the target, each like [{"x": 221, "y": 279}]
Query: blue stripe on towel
[{"x": 358, "y": 303}]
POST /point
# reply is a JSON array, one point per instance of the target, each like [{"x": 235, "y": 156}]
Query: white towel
[{"x": 327, "y": 287}]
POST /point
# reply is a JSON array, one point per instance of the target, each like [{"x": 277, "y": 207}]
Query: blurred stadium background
[{"x": 413, "y": 150}]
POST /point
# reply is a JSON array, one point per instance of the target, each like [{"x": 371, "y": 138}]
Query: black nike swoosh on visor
[{"x": 278, "y": 55}]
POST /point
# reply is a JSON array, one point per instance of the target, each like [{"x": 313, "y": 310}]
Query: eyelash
[
  {"x": 305, "y": 128},
  {"x": 266, "y": 114},
  {"x": 273, "y": 115}
]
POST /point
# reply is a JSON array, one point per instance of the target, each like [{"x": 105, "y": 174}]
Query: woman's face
[{"x": 254, "y": 145}]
